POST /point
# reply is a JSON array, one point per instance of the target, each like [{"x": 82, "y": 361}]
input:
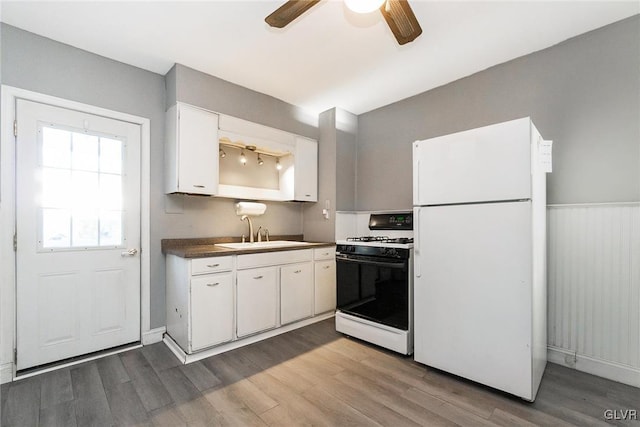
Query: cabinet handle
[
  {"x": 297, "y": 271},
  {"x": 198, "y": 186},
  {"x": 213, "y": 284},
  {"x": 213, "y": 265},
  {"x": 258, "y": 277},
  {"x": 307, "y": 195},
  {"x": 326, "y": 253},
  {"x": 326, "y": 266}
]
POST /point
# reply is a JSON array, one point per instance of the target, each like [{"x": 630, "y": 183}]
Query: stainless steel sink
[{"x": 262, "y": 245}]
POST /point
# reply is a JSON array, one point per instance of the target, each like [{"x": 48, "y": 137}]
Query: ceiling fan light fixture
[{"x": 364, "y": 6}]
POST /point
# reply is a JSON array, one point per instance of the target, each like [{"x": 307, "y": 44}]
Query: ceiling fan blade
[
  {"x": 288, "y": 12},
  {"x": 401, "y": 20}
]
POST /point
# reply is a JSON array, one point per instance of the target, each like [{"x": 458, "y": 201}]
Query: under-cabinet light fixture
[
  {"x": 278, "y": 165},
  {"x": 260, "y": 161},
  {"x": 222, "y": 153},
  {"x": 243, "y": 158}
]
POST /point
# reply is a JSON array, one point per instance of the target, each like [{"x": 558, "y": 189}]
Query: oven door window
[{"x": 374, "y": 289}]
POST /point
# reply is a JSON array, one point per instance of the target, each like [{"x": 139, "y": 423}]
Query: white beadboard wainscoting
[{"x": 594, "y": 289}]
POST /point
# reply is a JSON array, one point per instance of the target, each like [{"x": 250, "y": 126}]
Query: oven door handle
[{"x": 357, "y": 260}]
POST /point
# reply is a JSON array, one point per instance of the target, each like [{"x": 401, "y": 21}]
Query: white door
[
  {"x": 211, "y": 310},
  {"x": 325, "y": 286},
  {"x": 296, "y": 292},
  {"x": 257, "y": 301},
  {"x": 78, "y": 233},
  {"x": 472, "y": 292},
  {"x": 479, "y": 165},
  {"x": 306, "y": 170}
]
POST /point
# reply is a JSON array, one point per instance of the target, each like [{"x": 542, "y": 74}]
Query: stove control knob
[{"x": 390, "y": 252}]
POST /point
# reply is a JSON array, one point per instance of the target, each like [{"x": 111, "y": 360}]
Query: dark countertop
[{"x": 208, "y": 246}]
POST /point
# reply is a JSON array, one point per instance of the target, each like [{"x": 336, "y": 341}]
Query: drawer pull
[
  {"x": 213, "y": 265},
  {"x": 211, "y": 285},
  {"x": 198, "y": 186},
  {"x": 326, "y": 266},
  {"x": 326, "y": 253},
  {"x": 297, "y": 271},
  {"x": 258, "y": 277}
]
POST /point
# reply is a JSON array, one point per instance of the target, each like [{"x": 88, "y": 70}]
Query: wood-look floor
[{"x": 311, "y": 376}]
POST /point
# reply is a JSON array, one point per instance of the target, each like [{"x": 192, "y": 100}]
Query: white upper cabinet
[
  {"x": 305, "y": 185},
  {"x": 191, "y": 151},
  {"x": 278, "y": 165}
]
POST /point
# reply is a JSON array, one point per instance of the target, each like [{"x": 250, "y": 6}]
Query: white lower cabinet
[
  {"x": 325, "y": 286},
  {"x": 257, "y": 302},
  {"x": 200, "y": 301},
  {"x": 296, "y": 292},
  {"x": 211, "y": 310},
  {"x": 324, "y": 278},
  {"x": 216, "y": 300}
]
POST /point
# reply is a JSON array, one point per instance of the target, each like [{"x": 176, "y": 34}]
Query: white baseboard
[
  {"x": 613, "y": 371},
  {"x": 6, "y": 373},
  {"x": 153, "y": 336}
]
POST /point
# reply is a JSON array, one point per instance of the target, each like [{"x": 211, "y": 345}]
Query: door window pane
[
  {"x": 81, "y": 190},
  {"x": 84, "y": 152},
  {"x": 110, "y": 155},
  {"x": 110, "y": 191},
  {"x": 56, "y": 185},
  {"x": 85, "y": 228},
  {"x": 56, "y": 148},
  {"x": 56, "y": 228}
]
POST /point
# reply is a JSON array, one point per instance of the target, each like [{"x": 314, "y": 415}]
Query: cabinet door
[
  {"x": 306, "y": 170},
  {"x": 257, "y": 300},
  {"x": 296, "y": 292},
  {"x": 325, "y": 286},
  {"x": 197, "y": 150},
  {"x": 211, "y": 310}
]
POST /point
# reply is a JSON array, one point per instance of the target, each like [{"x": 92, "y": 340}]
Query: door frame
[{"x": 8, "y": 313}]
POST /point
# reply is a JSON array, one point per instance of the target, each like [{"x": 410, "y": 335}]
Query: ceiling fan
[{"x": 397, "y": 13}]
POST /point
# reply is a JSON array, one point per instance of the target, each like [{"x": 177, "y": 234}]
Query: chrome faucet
[
  {"x": 259, "y": 234},
  {"x": 250, "y": 226},
  {"x": 266, "y": 234}
]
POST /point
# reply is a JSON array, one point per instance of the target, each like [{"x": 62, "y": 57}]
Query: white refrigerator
[{"x": 479, "y": 255}]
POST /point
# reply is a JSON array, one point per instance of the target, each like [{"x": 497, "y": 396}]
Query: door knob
[{"x": 130, "y": 252}]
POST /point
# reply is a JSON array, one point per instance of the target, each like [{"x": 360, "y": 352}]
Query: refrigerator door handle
[
  {"x": 416, "y": 246},
  {"x": 416, "y": 196}
]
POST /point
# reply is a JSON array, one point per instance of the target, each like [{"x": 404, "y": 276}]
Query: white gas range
[{"x": 375, "y": 283}]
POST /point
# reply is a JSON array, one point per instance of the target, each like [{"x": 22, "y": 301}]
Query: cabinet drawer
[
  {"x": 324, "y": 253},
  {"x": 274, "y": 258},
  {"x": 211, "y": 265}
]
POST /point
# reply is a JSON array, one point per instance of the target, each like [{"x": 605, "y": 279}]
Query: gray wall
[
  {"x": 346, "y": 151},
  {"x": 43, "y": 65},
  {"x": 316, "y": 227},
  {"x": 583, "y": 93},
  {"x": 212, "y": 93},
  {"x": 336, "y": 176}
]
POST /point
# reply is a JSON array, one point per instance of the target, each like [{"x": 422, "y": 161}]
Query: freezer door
[
  {"x": 472, "y": 287},
  {"x": 485, "y": 164}
]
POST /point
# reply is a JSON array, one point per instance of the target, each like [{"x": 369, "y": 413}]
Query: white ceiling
[{"x": 329, "y": 56}]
